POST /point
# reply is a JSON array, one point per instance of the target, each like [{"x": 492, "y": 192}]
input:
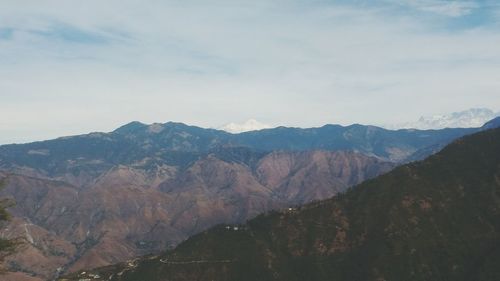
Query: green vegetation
[
  {"x": 437, "y": 219},
  {"x": 7, "y": 246}
]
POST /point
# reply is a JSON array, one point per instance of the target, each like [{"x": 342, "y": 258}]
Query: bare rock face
[
  {"x": 123, "y": 175},
  {"x": 130, "y": 210},
  {"x": 212, "y": 191},
  {"x": 301, "y": 177},
  {"x": 41, "y": 251}
]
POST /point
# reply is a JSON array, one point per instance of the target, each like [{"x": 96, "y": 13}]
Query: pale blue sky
[{"x": 69, "y": 67}]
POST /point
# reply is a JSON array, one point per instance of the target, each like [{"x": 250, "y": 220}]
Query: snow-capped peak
[
  {"x": 471, "y": 118},
  {"x": 249, "y": 125}
]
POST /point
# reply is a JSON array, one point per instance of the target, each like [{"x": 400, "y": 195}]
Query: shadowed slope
[{"x": 438, "y": 219}]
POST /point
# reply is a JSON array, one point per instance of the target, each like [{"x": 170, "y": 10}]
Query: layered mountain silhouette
[
  {"x": 97, "y": 199},
  {"x": 179, "y": 144},
  {"x": 128, "y": 211},
  {"x": 473, "y": 117},
  {"x": 437, "y": 219}
]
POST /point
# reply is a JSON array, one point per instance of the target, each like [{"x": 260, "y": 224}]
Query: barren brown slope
[
  {"x": 130, "y": 211},
  {"x": 301, "y": 177},
  {"x": 43, "y": 250}
]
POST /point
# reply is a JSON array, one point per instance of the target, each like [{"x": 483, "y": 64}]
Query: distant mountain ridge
[
  {"x": 85, "y": 156},
  {"x": 432, "y": 220},
  {"x": 247, "y": 126},
  {"x": 101, "y": 198},
  {"x": 470, "y": 118}
]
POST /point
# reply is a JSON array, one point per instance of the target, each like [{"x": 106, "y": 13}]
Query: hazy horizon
[{"x": 389, "y": 126}]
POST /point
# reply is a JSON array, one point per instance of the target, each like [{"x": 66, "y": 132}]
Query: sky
[{"x": 69, "y": 67}]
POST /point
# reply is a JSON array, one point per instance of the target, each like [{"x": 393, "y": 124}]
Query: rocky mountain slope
[
  {"x": 432, "y": 220},
  {"x": 80, "y": 159},
  {"x": 97, "y": 199},
  {"x": 128, "y": 211}
]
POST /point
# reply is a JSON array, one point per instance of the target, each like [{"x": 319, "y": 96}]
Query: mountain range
[
  {"x": 436, "y": 219},
  {"x": 470, "y": 118},
  {"x": 247, "y": 126},
  {"x": 101, "y": 198}
]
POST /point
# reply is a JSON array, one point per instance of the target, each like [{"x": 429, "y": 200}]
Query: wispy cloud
[
  {"x": 67, "y": 33},
  {"x": 92, "y": 65},
  {"x": 443, "y": 7}
]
